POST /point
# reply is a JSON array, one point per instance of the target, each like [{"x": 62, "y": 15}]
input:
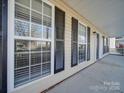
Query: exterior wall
[{"x": 41, "y": 84}]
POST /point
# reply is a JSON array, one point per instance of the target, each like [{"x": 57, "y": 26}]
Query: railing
[{"x": 117, "y": 51}]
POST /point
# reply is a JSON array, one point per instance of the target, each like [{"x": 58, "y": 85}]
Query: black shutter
[
  {"x": 0, "y": 46},
  {"x": 103, "y": 44},
  {"x": 97, "y": 48},
  {"x": 107, "y": 45},
  {"x": 59, "y": 40},
  {"x": 3, "y": 45},
  {"x": 88, "y": 43},
  {"x": 74, "y": 42}
]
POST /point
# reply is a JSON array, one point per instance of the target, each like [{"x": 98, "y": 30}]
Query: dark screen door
[{"x": 59, "y": 40}]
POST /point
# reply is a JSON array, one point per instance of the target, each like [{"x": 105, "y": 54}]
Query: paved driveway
[{"x": 105, "y": 76}]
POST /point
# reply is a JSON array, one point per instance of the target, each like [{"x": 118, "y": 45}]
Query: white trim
[
  {"x": 30, "y": 42},
  {"x": 82, "y": 23},
  {"x": 31, "y": 38},
  {"x": 52, "y": 38},
  {"x": 10, "y": 50}
]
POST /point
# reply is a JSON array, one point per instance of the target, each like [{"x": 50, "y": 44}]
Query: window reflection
[
  {"x": 46, "y": 46},
  {"x": 36, "y": 31},
  {"x": 35, "y": 46},
  {"x": 21, "y": 45},
  {"x": 82, "y": 34},
  {"x": 21, "y": 28},
  {"x": 46, "y": 32}
]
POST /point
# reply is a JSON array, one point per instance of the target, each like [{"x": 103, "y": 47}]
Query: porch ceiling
[{"x": 108, "y": 15}]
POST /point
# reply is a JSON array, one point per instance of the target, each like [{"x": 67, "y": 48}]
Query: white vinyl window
[
  {"x": 81, "y": 43},
  {"x": 32, "y": 40}
]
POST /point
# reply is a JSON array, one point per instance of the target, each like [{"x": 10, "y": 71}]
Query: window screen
[
  {"x": 59, "y": 40},
  {"x": 74, "y": 42},
  {"x": 33, "y": 28}
]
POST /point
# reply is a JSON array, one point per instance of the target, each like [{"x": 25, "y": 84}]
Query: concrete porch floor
[{"x": 105, "y": 76}]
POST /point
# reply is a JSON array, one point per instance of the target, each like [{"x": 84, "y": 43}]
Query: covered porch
[{"x": 105, "y": 76}]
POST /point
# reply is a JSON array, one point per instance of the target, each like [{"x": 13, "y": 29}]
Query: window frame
[
  {"x": 82, "y": 23},
  {"x": 12, "y": 37}
]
